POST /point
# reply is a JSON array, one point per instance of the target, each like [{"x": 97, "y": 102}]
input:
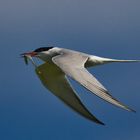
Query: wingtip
[
  {"x": 132, "y": 110},
  {"x": 98, "y": 122},
  {"x": 101, "y": 123}
]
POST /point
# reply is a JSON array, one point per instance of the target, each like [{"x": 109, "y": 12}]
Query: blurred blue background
[{"x": 107, "y": 28}]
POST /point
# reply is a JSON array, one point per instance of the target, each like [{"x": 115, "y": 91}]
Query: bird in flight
[{"x": 60, "y": 63}]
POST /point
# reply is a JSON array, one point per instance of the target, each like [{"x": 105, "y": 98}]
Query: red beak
[{"x": 32, "y": 54}]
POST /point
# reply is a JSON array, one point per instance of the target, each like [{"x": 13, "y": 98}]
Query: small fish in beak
[
  {"x": 25, "y": 60},
  {"x": 28, "y": 56}
]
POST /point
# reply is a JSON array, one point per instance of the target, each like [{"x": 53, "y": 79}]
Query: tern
[{"x": 61, "y": 63}]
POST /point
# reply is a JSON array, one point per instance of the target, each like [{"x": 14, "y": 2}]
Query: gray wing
[
  {"x": 55, "y": 80},
  {"x": 73, "y": 65}
]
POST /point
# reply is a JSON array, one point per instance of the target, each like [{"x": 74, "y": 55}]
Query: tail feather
[
  {"x": 95, "y": 60},
  {"x": 116, "y": 60}
]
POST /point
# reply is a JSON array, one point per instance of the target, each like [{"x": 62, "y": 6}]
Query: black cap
[{"x": 43, "y": 49}]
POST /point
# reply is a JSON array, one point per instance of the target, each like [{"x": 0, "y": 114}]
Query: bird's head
[
  {"x": 38, "y": 52},
  {"x": 44, "y": 53}
]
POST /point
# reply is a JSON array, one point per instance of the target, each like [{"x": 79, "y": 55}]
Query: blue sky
[{"x": 106, "y": 28}]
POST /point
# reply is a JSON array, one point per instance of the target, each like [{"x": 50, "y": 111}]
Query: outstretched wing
[
  {"x": 55, "y": 80},
  {"x": 72, "y": 64}
]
